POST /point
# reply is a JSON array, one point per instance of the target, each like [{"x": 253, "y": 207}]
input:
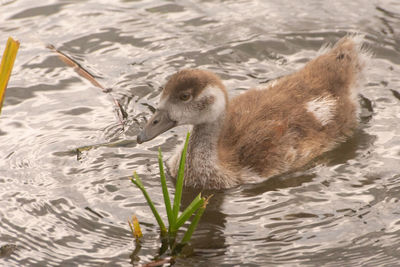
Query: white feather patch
[
  {"x": 215, "y": 109},
  {"x": 323, "y": 108},
  {"x": 219, "y": 104}
]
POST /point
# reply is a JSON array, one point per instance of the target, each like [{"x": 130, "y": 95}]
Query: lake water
[{"x": 59, "y": 207}]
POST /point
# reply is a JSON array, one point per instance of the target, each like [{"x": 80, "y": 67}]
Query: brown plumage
[{"x": 262, "y": 133}]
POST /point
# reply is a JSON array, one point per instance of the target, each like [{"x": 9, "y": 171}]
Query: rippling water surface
[{"x": 60, "y": 208}]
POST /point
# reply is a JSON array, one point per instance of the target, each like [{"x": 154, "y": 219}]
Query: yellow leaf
[
  {"x": 7, "y": 63},
  {"x": 135, "y": 227}
]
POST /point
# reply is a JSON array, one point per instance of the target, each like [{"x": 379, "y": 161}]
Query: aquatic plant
[
  {"x": 7, "y": 63},
  {"x": 175, "y": 220}
]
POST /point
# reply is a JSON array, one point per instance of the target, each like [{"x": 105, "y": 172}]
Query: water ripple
[{"x": 65, "y": 193}]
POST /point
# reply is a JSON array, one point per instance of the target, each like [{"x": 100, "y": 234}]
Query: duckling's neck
[
  {"x": 202, "y": 160},
  {"x": 203, "y": 140}
]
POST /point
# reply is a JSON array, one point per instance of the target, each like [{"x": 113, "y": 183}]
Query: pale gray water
[{"x": 62, "y": 210}]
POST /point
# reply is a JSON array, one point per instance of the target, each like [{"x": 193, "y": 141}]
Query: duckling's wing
[{"x": 298, "y": 118}]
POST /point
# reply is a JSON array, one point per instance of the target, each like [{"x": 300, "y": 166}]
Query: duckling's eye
[{"x": 185, "y": 97}]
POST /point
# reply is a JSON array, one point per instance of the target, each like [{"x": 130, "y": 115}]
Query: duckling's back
[{"x": 281, "y": 128}]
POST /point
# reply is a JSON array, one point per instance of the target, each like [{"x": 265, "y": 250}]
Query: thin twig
[{"x": 121, "y": 113}]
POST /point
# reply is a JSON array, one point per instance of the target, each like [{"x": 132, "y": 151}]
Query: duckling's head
[{"x": 191, "y": 96}]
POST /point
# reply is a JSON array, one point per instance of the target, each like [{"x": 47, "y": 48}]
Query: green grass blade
[
  {"x": 195, "y": 221},
  {"x": 188, "y": 212},
  {"x": 179, "y": 180},
  {"x": 136, "y": 180},
  {"x": 167, "y": 200},
  {"x": 7, "y": 63}
]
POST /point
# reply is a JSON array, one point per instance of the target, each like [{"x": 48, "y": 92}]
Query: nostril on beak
[{"x": 155, "y": 122}]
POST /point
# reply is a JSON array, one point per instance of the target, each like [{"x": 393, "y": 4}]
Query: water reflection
[{"x": 63, "y": 206}]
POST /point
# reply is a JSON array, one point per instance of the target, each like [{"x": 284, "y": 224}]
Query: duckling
[{"x": 261, "y": 132}]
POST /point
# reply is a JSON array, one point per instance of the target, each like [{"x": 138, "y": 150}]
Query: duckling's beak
[{"x": 159, "y": 123}]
